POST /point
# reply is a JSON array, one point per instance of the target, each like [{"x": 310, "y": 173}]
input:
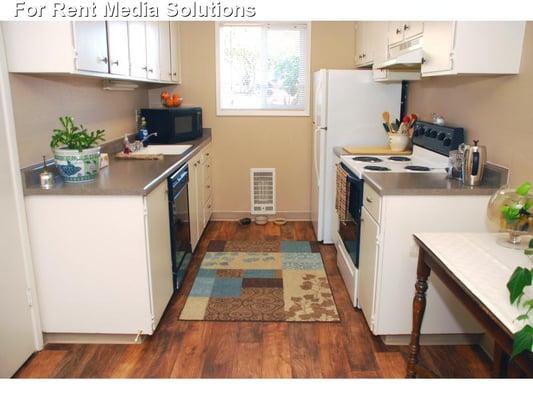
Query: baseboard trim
[
  {"x": 452, "y": 339},
  {"x": 96, "y": 338},
  {"x": 236, "y": 215}
]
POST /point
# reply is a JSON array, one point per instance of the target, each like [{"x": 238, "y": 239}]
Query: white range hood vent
[{"x": 406, "y": 57}]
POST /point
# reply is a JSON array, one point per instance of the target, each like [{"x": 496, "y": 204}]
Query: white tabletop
[{"x": 483, "y": 266}]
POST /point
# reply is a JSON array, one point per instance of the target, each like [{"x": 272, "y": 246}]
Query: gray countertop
[
  {"x": 121, "y": 177},
  {"x": 434, "y": 184}
]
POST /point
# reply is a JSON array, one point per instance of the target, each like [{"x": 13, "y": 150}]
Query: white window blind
[{"x": 263, "y": 69}]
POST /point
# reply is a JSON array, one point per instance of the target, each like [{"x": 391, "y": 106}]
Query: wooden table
[{"x": 449, "y": 256}]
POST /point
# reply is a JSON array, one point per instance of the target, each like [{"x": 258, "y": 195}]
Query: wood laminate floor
[{"x": 184, "y": 349}]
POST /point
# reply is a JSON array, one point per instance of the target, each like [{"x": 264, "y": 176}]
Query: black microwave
[{"x": 173, "y": 125}]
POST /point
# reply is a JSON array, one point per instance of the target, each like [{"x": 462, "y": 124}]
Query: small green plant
[
  {"x": 517, "y": 210},
  {"x": 75, "y": 137},
  {"x": 519, "y": 281}
]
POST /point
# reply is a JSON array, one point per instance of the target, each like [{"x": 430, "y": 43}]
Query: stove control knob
[
  {"x": 433, "y": 134},
  {"x": 447, "y": 142},
  {"x": 427, "y": 133},
  {"x": 441, "y": 136}
]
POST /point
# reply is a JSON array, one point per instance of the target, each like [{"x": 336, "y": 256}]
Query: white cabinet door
[
  {"x": 412, "y": 29},
  {"x": 159, "y": 252},
  {"x": 91, "y": 46},
  {"x": 117, "y": 39},
  {"x": 164, "y": 51},
  {"x": 137, "y": 48},
  {"x": 194, "y": 200},
  {"x": 360, "y": 42},
  {"x": 438, "y": 46},
  {"x": 175, "y": 51},
  {"x": 152, "y": 50},
  {"x": 395, "y": 32},
  {"x": 368, "y": 258}
]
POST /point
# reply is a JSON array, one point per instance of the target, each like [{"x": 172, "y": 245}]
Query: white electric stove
[{"x": 420, "y": 161}]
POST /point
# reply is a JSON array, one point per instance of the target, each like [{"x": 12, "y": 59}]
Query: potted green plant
[
  {"x": 76, "y": 151},
  {"x": 520, "y": 280}
]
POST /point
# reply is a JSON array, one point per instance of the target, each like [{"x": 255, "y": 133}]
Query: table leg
[
  {"x": 500, "y": 362},
  {"x": 419, "y": 307}
]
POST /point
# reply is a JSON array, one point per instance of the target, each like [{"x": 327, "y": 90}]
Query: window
[{"x": 262, "y": 68}]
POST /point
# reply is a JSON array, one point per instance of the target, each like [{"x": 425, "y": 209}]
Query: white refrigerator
[{"x": 347, "y": 110}]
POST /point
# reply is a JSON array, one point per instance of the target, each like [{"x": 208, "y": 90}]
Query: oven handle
[{"x": 351, "y": 176}]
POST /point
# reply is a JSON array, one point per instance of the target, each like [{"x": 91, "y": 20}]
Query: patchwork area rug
[{"x": 261, "y": 281}]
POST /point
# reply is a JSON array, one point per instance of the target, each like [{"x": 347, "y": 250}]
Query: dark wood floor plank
[
  {"x": 305, "y": 350},
  {"x": 193, "y": 349}
]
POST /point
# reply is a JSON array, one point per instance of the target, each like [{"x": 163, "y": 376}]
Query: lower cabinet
[
  {"x": 200, "y": 193},
  {"x": 103, "y": 263},
  {"x": 368, "y": 260}
]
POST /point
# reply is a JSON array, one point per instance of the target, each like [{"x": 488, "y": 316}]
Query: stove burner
[
  {"x": 417, "y": 168},
  {"x": 367, "y": 159},
  {"x": 399, "y": 158},
  {"x": 376, "y": 168}
]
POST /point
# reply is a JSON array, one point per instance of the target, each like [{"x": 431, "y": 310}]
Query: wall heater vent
[{"x": 263, "y": 190}]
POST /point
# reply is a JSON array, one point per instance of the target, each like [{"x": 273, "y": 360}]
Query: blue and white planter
[{"x": 78, "y": 166}]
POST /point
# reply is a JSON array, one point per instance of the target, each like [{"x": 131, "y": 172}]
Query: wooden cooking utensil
[{"x": 386, "y": 118}]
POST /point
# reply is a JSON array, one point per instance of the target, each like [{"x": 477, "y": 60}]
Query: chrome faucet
[{"x": 148, "y": 137}]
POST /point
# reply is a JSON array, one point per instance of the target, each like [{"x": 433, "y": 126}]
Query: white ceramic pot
[
  {"x": 399, "y": 142},
  {"x": 78, "y": 166}
]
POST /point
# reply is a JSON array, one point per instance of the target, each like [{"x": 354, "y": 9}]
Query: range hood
[{"x": 405, "y": 57}]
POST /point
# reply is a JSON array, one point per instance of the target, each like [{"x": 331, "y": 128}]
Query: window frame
[{"x": 265, "y": 112}]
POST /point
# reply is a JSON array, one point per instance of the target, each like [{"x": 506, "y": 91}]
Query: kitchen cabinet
[
  {"x": 119, "y": 57},
  {"x": 152, "y": 50},
  {"x": 137, "y": 48},
  {"x": 402, "y": 31},
  {"x": 164, "y": 51},
  {"x": 368, "y": 259},
  {"x": 90, "y": 40},
  {"x": 364, "y": 37},
  {"x": 113, "y": 50},
  {"x": 175, "y": 51},
  {"x": 200, "y": 193},
  {"x": 467, "y": 47},
  {"x": 106, "y": 275}
]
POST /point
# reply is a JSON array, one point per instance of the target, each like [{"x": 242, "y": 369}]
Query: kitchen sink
[{"x": 165, "y": 149}]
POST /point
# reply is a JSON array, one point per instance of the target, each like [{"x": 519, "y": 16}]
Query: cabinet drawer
[
  {"x": 372, "y": 202},
  {"x": 205, "y": 156}
]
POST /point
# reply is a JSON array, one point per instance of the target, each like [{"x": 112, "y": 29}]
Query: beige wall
[
  {"x": 241, "y": 143},
  {"x": 496, "y": 110},
  {"x": 39, "y": 101}
]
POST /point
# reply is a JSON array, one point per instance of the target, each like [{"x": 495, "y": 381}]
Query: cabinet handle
[
  {"x": 103, "y": 59},
  {"x": 398, "y": 31},
  {"x": 369, "y": 200},
  {"x": 208, "y": 186},
  {"x": 114, "y": 62},
  {"x": 207, "y": 154},
  {"x": 169, "y": 74},
  {"x": 406, "y": 27},
  {"x": 364, "y": 55},
  {"x": 209, "y": 206},
  {"x": 174, "y": 73},
  {"x": 423, "y": 60},
  {"x": 150, "y": 70},
  {"x": 145, "y": 68}
]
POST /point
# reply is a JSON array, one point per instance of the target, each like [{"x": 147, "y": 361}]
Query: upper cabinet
[
  {"x": 90, "y": 40},
  {"x": 144, "y": 51},
  {"x": 175, "y": 52},
  {"x": 461, "y": 47},
  {"x": 119, "y": 56},
  {"x": 401, "y": 31},
  {"x": 413, "y": 49}
]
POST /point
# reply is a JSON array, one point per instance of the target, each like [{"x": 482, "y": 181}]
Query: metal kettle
[{"x": 474, "y": 159}]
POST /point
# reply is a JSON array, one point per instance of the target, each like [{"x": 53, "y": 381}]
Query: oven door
[
  {"x": 350, "y": 229},
  {"x": 179, "y": 225}
]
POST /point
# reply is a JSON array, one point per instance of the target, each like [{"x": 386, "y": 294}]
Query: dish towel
[{"x": 343, "y": 190}]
